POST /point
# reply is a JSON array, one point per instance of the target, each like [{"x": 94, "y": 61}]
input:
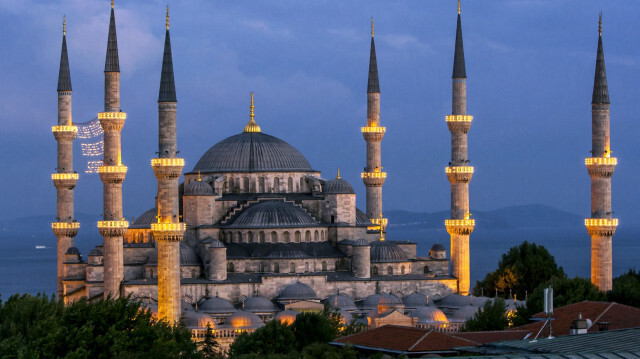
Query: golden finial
[
  {"x": 338, "y": 175},
  {"x": 198, "y": 179},
  {"x": 372, "y": 27},
  {"x": 252, "y": 115},
  {"x": 458, "y": 7},
  {"x": 167, "y": 17},
  {"x": 112, "y": 4},
  {"x": 381, "y": 227},
  {"x": 64, "y": 25},
  {"x": 600, "y": 25},
  {"x": 252, "y": 126}
]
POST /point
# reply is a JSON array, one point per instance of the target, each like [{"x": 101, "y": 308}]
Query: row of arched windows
[
  {"x": 248, "y": 185},
  {"x": 389, "y": 271},
  {"x": 276, "y": 267},
  {"x": 275, "y": 237}
]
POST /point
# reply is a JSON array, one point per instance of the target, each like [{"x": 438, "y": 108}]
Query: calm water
[{"x": 26, "y": 269}]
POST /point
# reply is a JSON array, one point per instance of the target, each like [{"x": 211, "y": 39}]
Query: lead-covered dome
[
  {"x": 145, "y": 219},
  {"x": 198, "y": 188},
  {"x": 273, "y": 214},
  {"x": 217, "y": 305},
  {"x": 337, "y": 186},
  {"x": 252, "y": 152},
  {"x": 187, "y": 257},
  {"x": 297, "y": 291},
  {"x": 385, "y": 252}
]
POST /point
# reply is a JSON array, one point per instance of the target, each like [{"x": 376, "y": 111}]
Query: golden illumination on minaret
[
  {"x": 64, "y": 25},
  {"x": 167, "y": 17},
  {"x": 458, "y": 7},
  {"x": 372, "y": 27}
]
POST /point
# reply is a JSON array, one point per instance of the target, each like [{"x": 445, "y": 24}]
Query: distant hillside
[
  {"x": 526, "y": 216},
  {"x": 37, "y": 226}
]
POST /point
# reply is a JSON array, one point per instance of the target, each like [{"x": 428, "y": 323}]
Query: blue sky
[{"x": 530, "y": 67}]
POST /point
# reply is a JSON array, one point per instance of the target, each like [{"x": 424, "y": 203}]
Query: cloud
[
  {"x": 266, "y": 28},
  {"x": 403, "y": 41}
]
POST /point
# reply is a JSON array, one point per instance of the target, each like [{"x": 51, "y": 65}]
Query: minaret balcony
[
  {"x": 112, "y": 174},
  {"x": 459, "y": 174},
  {"x": 112, "y": 121},
  {"x": 603, "y": 227},
  {"x": 460, "y": 226},
  {"x": 378, "y": 222},
  {"x": 459, "y": 123},
  {"x": 65, "y": 229},
  {"x": 167, "y": 168},
  {"x": 64, "y": 133},
  {"x": 113, "y": 228},
  {"x": 373, "y": 133},
  {"x": 601, "y": 166},
  {"x": 373, "y": 179},
  {"x": 64, "y": 180},
  {"x": 168, "y": 231}
]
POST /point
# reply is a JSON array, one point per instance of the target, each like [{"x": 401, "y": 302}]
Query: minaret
[
  {"x": 373, "y": 177},
  {"x": 168, "y": 231},
  {"x": 65, "y": 227},
  {"x": 112, "y": 172},
  {"x": 459, "y": 172},
  {"x": 601, "y": 226}
]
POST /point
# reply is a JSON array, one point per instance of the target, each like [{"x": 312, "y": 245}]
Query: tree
[
  {"x": 492, "y": 316},
  {"x": 312, "y": 328},
  {"x": 210, "y": 347},
  {"x": 626, "y": 289},
  {"x": 273, "y": 338},
  {"x": 520, "y": 270}
]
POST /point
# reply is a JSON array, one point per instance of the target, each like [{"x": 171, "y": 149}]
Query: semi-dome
[
  {"x": 385, "y": 251},
  {"x": 337, "y": 186},
  {"x": 341, "y": 301},
  {"x": 415, "y": 300},
  {"x": 217, "y": 305},
  {"x": 187, "y": 257},
  {"x": 258, "y": 304},
  {"x": 145, "y": 219},
  {"x": 198, "y": 188},
  {"x": 252, "y": 152},
  {"x": 244, "y": 320},
  {"x": 273, "y": 214},
  {"x": 287, "y": 316},
  {"x": 297, "y": 291},
  {"x": 429, "y": 314}
]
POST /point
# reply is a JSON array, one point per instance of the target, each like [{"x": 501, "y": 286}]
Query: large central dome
[{"x": 252, "y": 152}]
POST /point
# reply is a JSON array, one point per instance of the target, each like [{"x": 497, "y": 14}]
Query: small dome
[
  {"x": 187, "y": 257},
  {"x": 361, "y": 243},
  {"x": 337, "y": 186},
  {"x": 345, "y": 317},
  {"x": 385, "y": 251},
  {"x": 456, "y": 300},
  {"x": 415, "y": 300},
  {"x": 73, "y": 251},
  {"x": 429, "y": 314},
  {"x": 216, "y": 244},
  {"x": 198, "y": 188},
  {"x": 145, "y": 219},
  {"x": 287, "y": 316},
  {"x": 371, "y": 302},
  {"x": 95, "y": 252},
  {"x": 194, "y": 319},
  {"x": 341, "y": 301},
  {"x": 466, "y": 312},
  {"x": 273, "y": 214},
  {"x": 186, "y": 306},
  {"x": 390, "y": 299},
  {"x": 244, "y": 320},
  {"x": 438, "y": 247},
  {"x": 258, "y": 304},
  {"x": 297, "y": 291},
  {"x": 217, "y": 305}
]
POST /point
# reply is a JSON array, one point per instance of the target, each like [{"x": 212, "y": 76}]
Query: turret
[
  {"x": 361, "y": 259},
  {"x": 65, "y": 178},
  {"x": 373, "y": 176},
  {"x": 217, "y": 261},
  {"x": 601, "y": 226},
  {"x": 459, "y": 173},
  {"x": 168, "y": 231},
  {"x": 112, "y": 173}
]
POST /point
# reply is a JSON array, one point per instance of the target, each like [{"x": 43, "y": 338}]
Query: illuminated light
[
  {"x": 93, "y": 149},
  {"x": 64, "y": 128},
  {"x": 459, "y": 169},
  {"x": 594, "y": 222},
  {"x": 92, "y": 166},
  {"x": 65, "y": 225},
  {"x": 112, "y": 115},
  {"x": 459, "y": 118},
  {"x": 167, "y": 162},
  {"x": 112, "y": 169},
  {"x": 64, "y": 176},
  {"x": 379, "y": 221},
  {"x": 459, "y": 222},
  {"x": 374, "y": 129},
  {"x": 113, "y": 224},
  {"x": 168, "y": 227},
  {"x": 89, "y": 129},
  {"x": 373, "y": 174},
  {"x": 601, "y": 161}
]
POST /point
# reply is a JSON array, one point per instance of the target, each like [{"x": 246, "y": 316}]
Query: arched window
[
  {"x": 290, "y": 184},
  {"x": 261, "y": 237},
  {"x": 426, "y": 269},
  {"x": 286, "y": 237},
  {"x": 316, "y": 237},
  {"x": 245, "y": 184},
  {"x": 250, "y": 235},
  {"x": 193, "y": 273},
  {"x": 302, "y": 184},
  {"x": 324, "y": 266},
  {"x": 389, "y": 270},
  {"x": 402, "y": 270},
  {"x": 261, "y": 185},
  {"x": 307, "y": 236},
  {"x": 297, "y": 236},
  {"x": 140, "y": 238},
  {"x": 276, "y": 267},
  {"x": 292, "y": 267},
  {"x": 276, "y": 185},
  {"x": 333, "y": 219},
  {"x": 230, "y": 267},
  {"x": 306, "y": 267},
  {"x": 247, "y": 269},
  {"x": 336, "y": 265},
  {"x": 239, "y": 237},
  {"x": 374, "y": 270},
  {"x": 274, "y": 237}
]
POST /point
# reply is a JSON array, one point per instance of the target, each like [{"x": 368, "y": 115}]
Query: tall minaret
[
  {"x": 65, "y": 179},
  {"x": 601, "y": 226},
  {"x": 459, "y": 172},
  {"x": 167, "y": 167},
  {"x": 112, "y": 172},
  {"x": 373, "y": 177}
]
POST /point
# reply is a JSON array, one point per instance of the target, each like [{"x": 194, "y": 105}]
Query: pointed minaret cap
[
  {"x": 112, "y": 64},
  {"x": 600, "y": 88},
  {"x": 64, "y": 76},
  {"x": 373, "y": 85},
  {"x": 459, "y": 71},
  {"x": 252, "y": 126},
  {"x": 167, "y": 82}
]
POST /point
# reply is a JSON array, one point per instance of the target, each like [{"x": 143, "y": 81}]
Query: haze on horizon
[{"x": 530, "y": 67}]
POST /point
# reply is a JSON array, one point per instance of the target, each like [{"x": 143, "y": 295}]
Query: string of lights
[
  {"x": 93, "y": 149},
  {"x": 92, "y": 166},
  {"x": 89, "y": 129},
  {"x": 91, "y": 138}
]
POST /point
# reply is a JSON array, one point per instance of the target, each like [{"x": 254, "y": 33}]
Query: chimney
[{"x": 579, "y": 326}]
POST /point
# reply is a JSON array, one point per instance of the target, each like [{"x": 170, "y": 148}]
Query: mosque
[{"x": 253, "y": 232}]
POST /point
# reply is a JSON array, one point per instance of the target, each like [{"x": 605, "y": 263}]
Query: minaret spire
[
  {"x": 112, "y": 63},
  {"x": 373, "y": 86},
  {"x": 600, "y": 88},
  {"x": 459, "y": 71},
  {"x": 64, "y": 76},
  {"x": 167, "y": 82}
]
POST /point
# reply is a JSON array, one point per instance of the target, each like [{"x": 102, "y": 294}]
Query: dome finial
[
  {"x": 458, "y": 7},
  {"x": 167, "y": 17},
  {"x": 381, "y": 228},
  {"x": 199, "y": 179},
  {"x": 600, "y": 25},
  {"x": 252, "y": 126},
  {"x": 338, "y": 175},
  {"x": 112, "y": 4},
  {"x": 371, "y": 26},
  {"x": 64, "y": 25}
]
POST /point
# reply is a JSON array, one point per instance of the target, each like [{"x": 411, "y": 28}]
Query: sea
[{"x": 26, "y": 269}]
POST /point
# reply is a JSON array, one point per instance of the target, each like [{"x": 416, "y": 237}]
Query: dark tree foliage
[
  {"x": 273, "y": 338},
  {"x": 313, "y": 351},
  {"x": 39, "y": 327},
  {"x": 626, "y": 289},
  {"x": 492, "y": 316},
  {"x": 312, "y": 328},
  {"x": 520, "y": 271},
  {"x": 210, "y": 347}
]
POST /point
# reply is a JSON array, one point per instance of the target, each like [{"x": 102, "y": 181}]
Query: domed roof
[
  {"x": 456, "y": 300},
  {"x": 415, "y": 300},
  {"x": 252, "y": 151},
  {"x": 216, "y": 305},
  {"x": 438, "y": 247},
  {"x": 187, "y": 257},
  {"x": 258, "y": 304},
  {"x": 361, "y": 243},
  {"x": 95, "y": 252},
  {"x": 73, "y": 251},
  {"x": 197, "y": 320},
  {"x": 337, "y": 186},
  {"x": 466, "y": 312},
  {"x": 371, "y": 301},
  {"x": 385, "y": 251},
  {"x": 244, "y": 320},
  {"x": 186, "y": 306},
  {"x": 216, "y": 244},
  {"x": 287, "y": 316},
  {"x": 198, "y": 188},
  {"x": 429, "y": 315},
  {"x": 362, "y": 219},
  {"x": 341, "y": 301},
  {"x": 345, "y": 317},
  {"x": 145, "y": 219},
  {"x": 273, "y": 214},
  {"x": 286, "y": 250},
  {"x": 297, "y": 291}
]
